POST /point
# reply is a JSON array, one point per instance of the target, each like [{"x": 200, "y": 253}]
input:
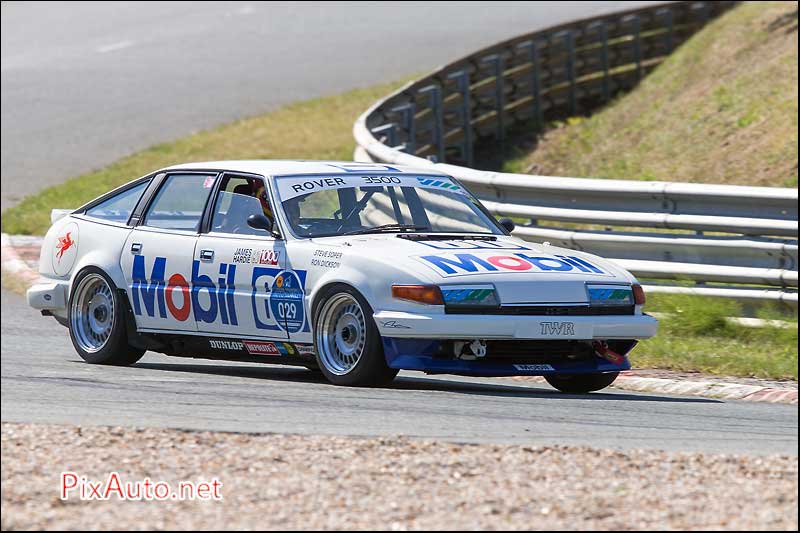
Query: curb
[
  {"x": 13, "y": 264},
  {"x": 629, "y": 381}
]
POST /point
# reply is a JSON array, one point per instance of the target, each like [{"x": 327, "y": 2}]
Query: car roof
[{"x": 267, "y": 167}]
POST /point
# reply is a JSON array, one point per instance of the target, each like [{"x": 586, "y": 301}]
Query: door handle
[
  {"x": 136, "y": 247},
  {"x": 207, "y": 255}
]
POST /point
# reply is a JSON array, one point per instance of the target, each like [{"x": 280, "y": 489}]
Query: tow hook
[
  {"x": 470, "y": 350},
  {"x": 601, "y": 349}
]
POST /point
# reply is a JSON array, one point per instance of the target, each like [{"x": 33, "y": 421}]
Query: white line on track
[{"x": 113, "y": 47}]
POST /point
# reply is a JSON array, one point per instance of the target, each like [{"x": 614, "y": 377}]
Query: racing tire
[
  {"x": 347, "y": 342},
  {"x": 581, "y": 383},
  {"x": 96, "y": 321}
]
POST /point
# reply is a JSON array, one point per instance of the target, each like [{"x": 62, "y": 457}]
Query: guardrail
[{"x": 571, "y": 69}]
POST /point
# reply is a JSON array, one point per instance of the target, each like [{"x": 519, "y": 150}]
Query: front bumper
[{"x": 442, "y": 326}]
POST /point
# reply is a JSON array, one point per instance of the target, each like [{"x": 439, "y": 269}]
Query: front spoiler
[{"x": 407, "y": 354}]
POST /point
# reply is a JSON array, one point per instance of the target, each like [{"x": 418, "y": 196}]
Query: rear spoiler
[{"x": 58, "y": 214}]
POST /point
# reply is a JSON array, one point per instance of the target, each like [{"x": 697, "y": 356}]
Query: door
[
  {"x": 165, "y": 288},
  {"x": 247, "y": 264}
]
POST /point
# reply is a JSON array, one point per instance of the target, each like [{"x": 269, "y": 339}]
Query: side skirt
[{"x": 216, "y": 347}]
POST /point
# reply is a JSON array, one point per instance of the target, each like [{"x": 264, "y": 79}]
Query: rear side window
[
  {"x": 118, "y": 208},
  {"x": 179, "y": 203}
]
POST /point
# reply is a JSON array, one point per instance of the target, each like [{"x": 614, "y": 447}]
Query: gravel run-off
[{"x": 319, "y": 482}]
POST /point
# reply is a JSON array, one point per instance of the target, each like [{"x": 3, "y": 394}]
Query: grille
[
  {"x": 528, "y": 352},
  {"x": 539, "y": 310}
]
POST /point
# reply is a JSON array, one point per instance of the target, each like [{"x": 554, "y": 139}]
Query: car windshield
[{"x": 319, "y": 206}]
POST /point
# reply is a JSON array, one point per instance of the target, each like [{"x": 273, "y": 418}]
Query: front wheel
[
  {"x": 347, "y": 342},
  {"x": 581, "y": 383},
  {"x": 97, "y": 321}
]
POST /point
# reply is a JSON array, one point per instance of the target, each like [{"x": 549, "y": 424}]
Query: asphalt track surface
[
  {"x": 84, "y": 84},
  {"x": 43, "y": 380}
]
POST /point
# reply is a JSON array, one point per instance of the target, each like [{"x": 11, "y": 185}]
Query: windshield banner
[{"x": 293, "y": 186}]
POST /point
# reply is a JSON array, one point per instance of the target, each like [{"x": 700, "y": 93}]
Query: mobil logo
[
  {"x": 157, "y": 295},
  {"x": 464, "y": 264}
]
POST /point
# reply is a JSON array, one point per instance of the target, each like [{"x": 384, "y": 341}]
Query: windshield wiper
[{"x": 387, "y": 227}]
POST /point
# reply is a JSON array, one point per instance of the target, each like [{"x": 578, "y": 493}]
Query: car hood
[{"x": 522, "y": 272}]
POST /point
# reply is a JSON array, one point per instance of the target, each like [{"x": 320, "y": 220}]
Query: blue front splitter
[{"x": 412, "y": 354}]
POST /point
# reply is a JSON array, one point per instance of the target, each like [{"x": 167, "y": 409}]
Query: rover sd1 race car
[{"x": 359, "y": 270}]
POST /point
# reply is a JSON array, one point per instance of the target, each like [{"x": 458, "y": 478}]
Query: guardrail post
[
  {"x": 637, "y": 46},
  {"x": 670, "y": 23},
  {"x": 569, "y": 43},
  {"x": 434, "y": 93},
  {"x": 499, "y": 92},
  {"x": 602, "y": 26},
  {"x": 536, "y": 89},
  {"x": 408, "y": 112},
  {"x": 390, "y": 131},
  {"x": 462, "y": 79}
]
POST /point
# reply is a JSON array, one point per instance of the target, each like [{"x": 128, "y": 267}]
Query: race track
[{"x": 43, "y": 380}]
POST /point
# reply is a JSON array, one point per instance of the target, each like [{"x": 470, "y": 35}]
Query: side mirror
[
  {"x": 507, "y": 223},
  {"x": 260, "y": 222}
]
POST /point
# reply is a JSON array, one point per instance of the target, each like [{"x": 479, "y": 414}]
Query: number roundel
[{"x": 286, "y": 302}]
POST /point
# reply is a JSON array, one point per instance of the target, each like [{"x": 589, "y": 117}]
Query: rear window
[
  {"x": 180, "y": 201},
  {"x": 119, "y": 207}
]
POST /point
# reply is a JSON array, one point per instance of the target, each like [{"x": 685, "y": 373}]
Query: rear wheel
[
  {"x": 581, "y": 383},
  {"x": 347, "y": 342},
  {"x": 97, "y": 321}
]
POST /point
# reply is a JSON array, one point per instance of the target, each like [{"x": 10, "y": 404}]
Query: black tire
[
  {"x": 115, "y": 350},
  {"x": 581, "y": 383},
  {"x": 370, "y": 369}
]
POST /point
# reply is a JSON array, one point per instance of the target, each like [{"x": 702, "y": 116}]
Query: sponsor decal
[
  {"x": 305, "y": 349},
  {"x": 225, "y": 345},
  {"x": 560, "y": 329},
  {"x": 326, "y": 259},
  {"x": 394, "y": 325},
  {"x": 293, "y": 186},
  {"x": 286, "y": 348},
  {"x": 534, "y": 368},
  {"x": 64, "y": 243},
  {"x": 251, "y": 256},
  {"x": 440, "y": 183},
  {"x": 261, "y": 348},
  {"x": 65, "y": 249},
  {"x": 286, "y": 301},
  {"x": 464, "y": 264},
  {"x": 209, "y": 182},
  {"x": 276, "y": 299}
]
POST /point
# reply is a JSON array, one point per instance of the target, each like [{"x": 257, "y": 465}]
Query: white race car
[{"x": 359, "y": 270}]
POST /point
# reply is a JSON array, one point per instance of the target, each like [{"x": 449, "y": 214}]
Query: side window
[
  {"x": 179, "y": 202},
  {"x": 238, "y": 198},
  {"x": 118, "y": 208}
]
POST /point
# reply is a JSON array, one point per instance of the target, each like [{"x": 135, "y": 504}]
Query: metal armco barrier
[{"x": 441, "y": 119}]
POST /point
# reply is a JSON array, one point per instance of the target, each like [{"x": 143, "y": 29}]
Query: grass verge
[
  {"x": 694, "y": 336},
  {"x": 721, "y": 109}
]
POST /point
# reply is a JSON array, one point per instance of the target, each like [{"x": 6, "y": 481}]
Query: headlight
[
  {"x": 605, "y": 294},
  {"x": 480, "y": 295}
]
